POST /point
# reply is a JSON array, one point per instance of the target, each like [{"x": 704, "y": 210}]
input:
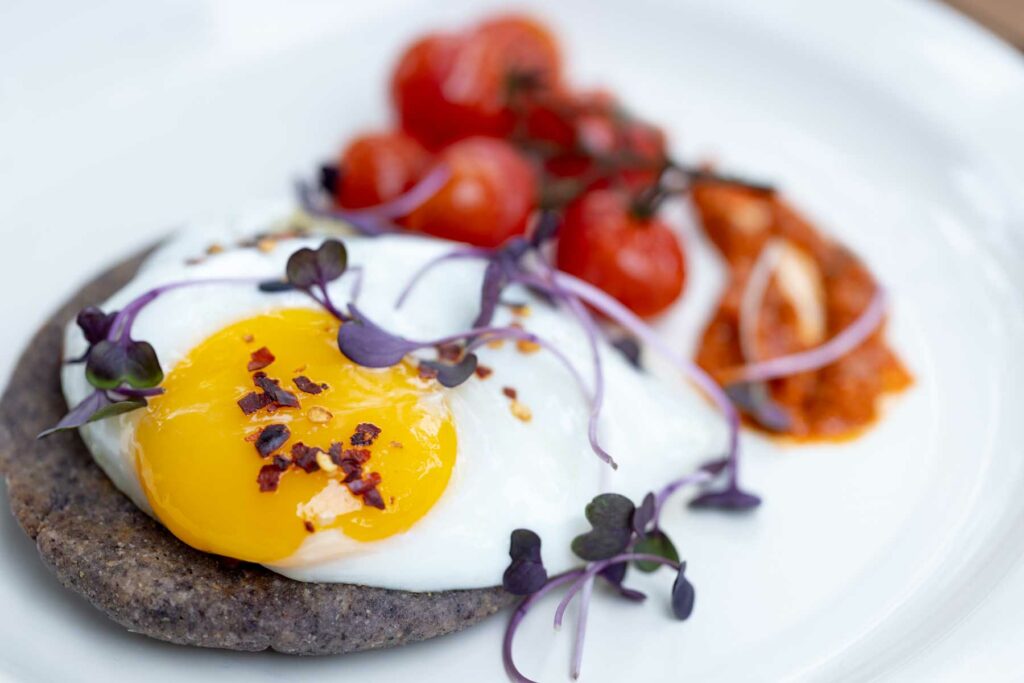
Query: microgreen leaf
[
  {"x": 643, "y": 515},
  {"x": 611, "y": 516},
  {"x": 94, "y": 323},
  {"x": 308, "y": 267},
  {"x": 453, "y": 374},
  {"x": 526, "y": 573},
  {"x": 657, "y": 543},
  {"x": 754, "y": 400},
  {"x": 371, "y": 346},
  {"x": 615, "y": 574},
  {"x": 683, "y": 595},
  {"x": 112, "y": 364},
  {"x": 732, "y": 498},
  {"x": 95, "y": 406}
]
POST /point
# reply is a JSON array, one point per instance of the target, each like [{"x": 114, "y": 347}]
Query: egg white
[{"x": 508, "y": 473}]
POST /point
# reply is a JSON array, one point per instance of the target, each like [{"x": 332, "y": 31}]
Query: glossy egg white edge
[{"x": 508, "y": 474}]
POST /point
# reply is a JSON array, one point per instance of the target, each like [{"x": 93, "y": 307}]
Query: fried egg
[{"x": 459, "y": 468}]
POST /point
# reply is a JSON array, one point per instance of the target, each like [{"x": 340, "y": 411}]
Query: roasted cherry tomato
[
  {"x": 636, "y": 259},
  {"x": 377, "y": 167},
  {"x": 488, "y": 198},
  {"x": 447, "y": 87}
]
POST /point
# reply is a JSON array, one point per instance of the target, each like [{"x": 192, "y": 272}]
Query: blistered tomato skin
[
  {"x": 378, "y": 167},
  {"x": 637, "y": 260},
  {"x": 488, "y": 198},
  {"x": 447, "y": 87}
]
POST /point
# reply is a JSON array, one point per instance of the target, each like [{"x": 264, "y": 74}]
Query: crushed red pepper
[
  {"x": 272, "y": 437},
  {"x": 483, "y": 371},
  {"x": 307, "y": 385},
  {"x": 838, "y": 400},
  {"x": 252, "y": 402},
  {"x": 510, "y": 392},
  {"x": 260, "y": 358},
  {"x": 366, "y": 433},
  {"x": 272, "y": 387}
]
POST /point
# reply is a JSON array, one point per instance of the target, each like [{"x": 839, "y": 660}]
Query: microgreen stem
[
  {"x": 520, "y": 613},
  {"x": 625, "y": 317},
  {"x": 121, "y": 327},
  {"x": 596, "y": 567},
  {"x": 460, "y": 253}
]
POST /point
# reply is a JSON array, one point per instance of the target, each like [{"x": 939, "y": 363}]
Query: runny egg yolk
[{"x": 198, "y": 463}]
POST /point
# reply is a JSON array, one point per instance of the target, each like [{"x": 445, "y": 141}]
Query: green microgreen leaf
[
  {"x": 112, "y": 364},
  {"x": 657, "y": 543}
]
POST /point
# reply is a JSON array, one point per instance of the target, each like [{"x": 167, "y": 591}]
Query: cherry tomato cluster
[{"x": 492, "y": 104}]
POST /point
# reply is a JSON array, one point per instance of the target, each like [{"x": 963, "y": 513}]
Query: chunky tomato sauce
[{"x": 814, "y": 293}]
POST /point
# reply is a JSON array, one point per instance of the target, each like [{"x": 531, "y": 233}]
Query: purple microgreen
[
  {"x": 95, "y": 406},
  {"x": 526, "y": 573},
  {"x": 703, "y": 475},
  {"x": 732, "y": 498},
  {"x": 754, "y": 399},
  {"x": 545, "y": 229},
  {"x": 616, "y": 311},
  {"x": 683, "y": 595},
  {"x": 595, "y": 568},
  {"x": 658, "y": 543},
  {"x": 614, "y": 574},
  {"x": 456, "y": 254},
  {"x": 307, "y": 268},
  {"x": 111, "y": 364},
  {"x": 95, "y": 324},
  {"x": 610, "y": 515},
  {"x": 328, "y": 178},
  {"x": 452, "y": 374},
  {"x": 644, "y": 514},
  {"x": 275, "y": 286},
  {"x": 374, "y": 220},
  {"x": 517, "y": 618},
  {"x": 630, "y": 350},
  {"x": 494, "y": 282},
  {"x": 370, "y": 345}
]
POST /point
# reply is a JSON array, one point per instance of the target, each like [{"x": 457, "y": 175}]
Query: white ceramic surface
[{"x": 897, "y": 125}]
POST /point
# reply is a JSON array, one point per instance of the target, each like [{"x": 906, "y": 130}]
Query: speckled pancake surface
[{"x": 101, "y": 546}]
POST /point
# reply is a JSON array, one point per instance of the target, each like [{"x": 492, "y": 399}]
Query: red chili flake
[
  {"x": 249, "y": 438},
  {"x": 278, "y": 395},
  {"x": 307, "y": 385},
  {"x": 272, "y": 437},
  {"x": 309, "y": 526},
  {"x": 373, "y": 499},
  {"x": 282, "y": 461},
  {"x": 269, "y": 477},
  {"x": 261, "y": 358},
  {"x": 252, "y": 402},
  {"x": 366, "y": 434},
  {"x": 483, "y": 372},
  {"x": 248, "y": 339},
  {"x": 368, "y": 482},
  {"x": 426, "y": 372},
  {"x": 449, "y": 352},
  {"x": 360, "y": 455},
  {"x": 305, "y": 457},
  {"x": 509, "y": 392}
]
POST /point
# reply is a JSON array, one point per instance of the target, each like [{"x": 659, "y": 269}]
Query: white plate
[{"x": 898, "y": 126}]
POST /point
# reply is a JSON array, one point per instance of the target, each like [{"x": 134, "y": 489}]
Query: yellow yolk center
[{"x": 198, "y": 462}]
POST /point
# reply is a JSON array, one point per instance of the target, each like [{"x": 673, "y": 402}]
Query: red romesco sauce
[{"x": 837, "y": 401}]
